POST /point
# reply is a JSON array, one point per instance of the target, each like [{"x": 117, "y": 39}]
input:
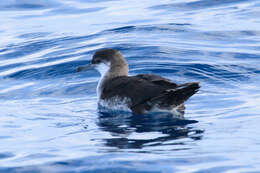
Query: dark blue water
[{"x": 48, "y": 113}]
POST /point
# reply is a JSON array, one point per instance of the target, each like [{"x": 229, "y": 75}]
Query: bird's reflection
[{"x": 125, "y": 130}]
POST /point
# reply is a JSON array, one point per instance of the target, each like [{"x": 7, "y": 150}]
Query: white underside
[
  {"x": 117, "y": 104},
  {"x": 174, "y": 111}
]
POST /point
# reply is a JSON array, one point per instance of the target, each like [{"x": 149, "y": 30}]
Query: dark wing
[
  {"x": 158, "y": 80},
  {"x": 138, "y": 88}
]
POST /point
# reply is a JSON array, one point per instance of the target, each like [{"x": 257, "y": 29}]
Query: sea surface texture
[{"x": 49, "y": 120}]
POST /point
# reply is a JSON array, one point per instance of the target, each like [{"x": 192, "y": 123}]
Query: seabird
[{"x": 140, "y": 94}]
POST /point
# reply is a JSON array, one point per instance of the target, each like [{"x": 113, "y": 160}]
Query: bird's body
[{"x": 140, "y": 94}]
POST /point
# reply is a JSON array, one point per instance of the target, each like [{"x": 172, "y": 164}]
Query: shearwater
[{"x": 140, "y": 94}]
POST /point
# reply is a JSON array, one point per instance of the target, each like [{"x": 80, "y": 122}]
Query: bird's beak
[{"x": 86, "y": 67}]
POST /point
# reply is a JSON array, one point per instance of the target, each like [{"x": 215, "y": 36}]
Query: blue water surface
[{"x": 49, "y": 120}]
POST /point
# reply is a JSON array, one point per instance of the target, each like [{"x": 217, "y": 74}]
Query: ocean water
[{"x": 49, "y": 120}]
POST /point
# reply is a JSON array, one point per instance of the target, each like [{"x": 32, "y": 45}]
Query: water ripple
[{"x": 49, "y": 116}]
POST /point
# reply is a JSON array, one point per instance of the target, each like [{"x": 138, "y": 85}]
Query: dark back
[{"x": 138, "y": 88}]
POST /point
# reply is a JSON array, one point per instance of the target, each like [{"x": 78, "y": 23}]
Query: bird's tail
[{"x": 177, "y": 95}]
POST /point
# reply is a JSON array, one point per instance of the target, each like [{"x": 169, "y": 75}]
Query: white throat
[{"x": 103, "y": 69}]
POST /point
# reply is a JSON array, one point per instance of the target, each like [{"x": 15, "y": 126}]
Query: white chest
[{"x": 103, "y": 69}]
